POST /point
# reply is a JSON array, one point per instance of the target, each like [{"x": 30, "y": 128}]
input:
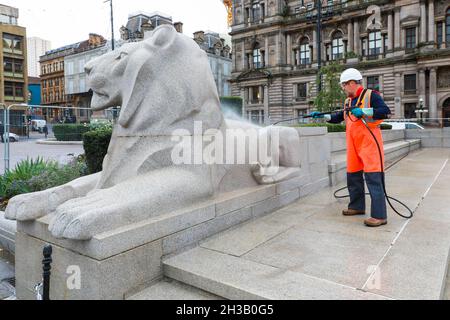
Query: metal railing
[{"x": 7, "y": 118}]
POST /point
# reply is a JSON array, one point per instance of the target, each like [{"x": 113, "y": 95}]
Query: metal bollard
[{"x": 46, "y": 267}]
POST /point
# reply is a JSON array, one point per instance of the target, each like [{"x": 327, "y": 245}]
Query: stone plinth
[{"x": 119, "y": 263}]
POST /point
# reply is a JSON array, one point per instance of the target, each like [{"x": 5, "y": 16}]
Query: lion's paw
[
  {"x": 82, "y": 218},
  {"x": 32, "y": 206},
  {"x": 26, "y": 207}
]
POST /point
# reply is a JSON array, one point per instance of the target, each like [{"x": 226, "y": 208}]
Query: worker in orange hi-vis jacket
[{"x": 363, "y": 160}]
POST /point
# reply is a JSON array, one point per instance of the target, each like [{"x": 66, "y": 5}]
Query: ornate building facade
[
  {"x": 53, "y": 77},
  {"x": 13, "y": 76},
  {"x": 401, "y": 47}
]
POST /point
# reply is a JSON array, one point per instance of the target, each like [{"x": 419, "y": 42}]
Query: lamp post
[
  {"x": 112, "y": 23},
  {"x": 420, "y": 111},
  {"x": 318, "y": 4}
]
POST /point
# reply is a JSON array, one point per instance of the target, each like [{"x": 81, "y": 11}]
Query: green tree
[{"x": 331, "y": 97}]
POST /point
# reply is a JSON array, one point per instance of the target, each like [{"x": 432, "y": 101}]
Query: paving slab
[
  {"x": 241, "y": 279},
  {"x": 310, "y": 243},
  {"x": 250, "y": 235},
  {"x": 339, "y": 258}
]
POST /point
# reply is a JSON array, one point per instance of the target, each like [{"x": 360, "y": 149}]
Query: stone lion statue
[{"x": 162, "y": 84}]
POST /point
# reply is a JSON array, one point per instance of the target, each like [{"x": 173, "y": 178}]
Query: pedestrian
[
  {"x": 363, "y": 159},
  {"x": 45, "y": 129}
]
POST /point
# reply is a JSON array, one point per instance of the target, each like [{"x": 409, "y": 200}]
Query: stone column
[
  {"x": 289, "y": 49},
  {"x": 397, "y": 28},
  {"x": 423, "y": 22},
  {"x": 350, "y": 37},
  {"x": 244, "y": 67},
  {"x": 390, "y": 32},
  {"x": 398, "y": 97},
  {"x": 277, "y": 48},
  {"x": 422, "y": 85},
  {"x": 314, "y": 57},
  {"x": 250, "y": 95},
  {"x": 266, "y": 105},
  {"x": 433, "y": 101},
  {"x": 431, "y": 21},
  {"x": 243, "y": 12},
  {"x": 243, "y": 103},
  {"x": 444, "y": 35},
  {"x": 266, "y": 51},
  {"x": 261, "y": 95},
  {"x": 283, "y": 49},
  {"x": 356, "y": 40}
]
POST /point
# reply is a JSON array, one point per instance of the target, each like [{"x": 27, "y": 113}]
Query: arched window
[
  {"x": 337, "y": 46},
  {"x": 374, "y": 43},
  {"x": 305, "y": 51}
]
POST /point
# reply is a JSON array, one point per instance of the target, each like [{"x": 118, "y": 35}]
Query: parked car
[
  {"x": 38, "y": 125},
  {"x": 13, "y": 137},
  {"x": 404, "y": 125}
]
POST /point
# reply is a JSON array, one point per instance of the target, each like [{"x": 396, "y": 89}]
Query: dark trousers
[{"x": 374, "y": 181}]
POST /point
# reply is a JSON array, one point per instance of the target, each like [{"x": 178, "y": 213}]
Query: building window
[
  {"x": 301, "y": 114},
  {"x": 8, "y": 65},
  {"x": 302, "y": 91},
  {"x": 373, "y": 83},
  {"x": 374, "y": 43},
  {"x": 337, "y": 46},
  {"x": 296, "y": 62},
  {"x": 447, "y": 26},
  {"x": 256, "y": 116},
  {"x": 410, "y": 84},
  {"x": 257, "y": 59},
  {"x": 256, "y": 95},
  {"x": 9, "y": 89},
  {"x": 410, "y": 38},
  {"x": 305, "y": 52},
  {"x": 363, "y": 46},
  {"x": 440, "y": 31},
  {"x": 410, "y": 111},
  {"x": 14, "y": 91},
  {"x": 256, "y": 11},
  {"x": 385, "y": 43}
]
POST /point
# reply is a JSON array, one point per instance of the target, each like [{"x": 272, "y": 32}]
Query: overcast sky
[{"x": 64, "y": 22}]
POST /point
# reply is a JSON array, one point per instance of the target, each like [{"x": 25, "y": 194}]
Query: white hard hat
[{"x": 351, "y": 74}]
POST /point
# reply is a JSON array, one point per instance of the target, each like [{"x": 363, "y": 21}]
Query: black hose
[{"x": 388, "y": 198}]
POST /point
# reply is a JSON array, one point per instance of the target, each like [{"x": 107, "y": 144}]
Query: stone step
[
  {"x": 240, "y": 279},
  {"x": 168, "y": 289}
]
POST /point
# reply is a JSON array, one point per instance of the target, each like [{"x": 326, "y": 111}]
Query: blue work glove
[
  {"x": 316, "y": 115},
  {"x": 358, "y": 112},
  {"x": 361, "y": 112}
]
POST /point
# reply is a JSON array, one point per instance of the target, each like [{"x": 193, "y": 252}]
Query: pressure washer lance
[{"x": 388, "y": 198}]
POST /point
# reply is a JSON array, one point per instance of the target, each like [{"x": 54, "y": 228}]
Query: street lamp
[
  {"x": 421, "y": 111},
  {"x": 112, "y": 23},
  {"x": 318, "y": 39}
]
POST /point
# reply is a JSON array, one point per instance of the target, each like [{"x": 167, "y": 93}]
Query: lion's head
[{"x": 162, "y": 83}]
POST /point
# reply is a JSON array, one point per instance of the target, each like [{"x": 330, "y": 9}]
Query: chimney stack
[{"x": 178, "y": 26}]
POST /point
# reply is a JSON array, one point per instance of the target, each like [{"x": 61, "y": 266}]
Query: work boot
[
  {"x": 353, "y": 212},
  {"x": 373, "y": 223}
]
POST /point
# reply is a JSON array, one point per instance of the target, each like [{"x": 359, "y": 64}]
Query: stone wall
[{"x": 431, "y": 138}]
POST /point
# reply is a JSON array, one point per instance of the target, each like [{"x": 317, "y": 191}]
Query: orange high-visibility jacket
[{"x": 362, "y": 150}]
